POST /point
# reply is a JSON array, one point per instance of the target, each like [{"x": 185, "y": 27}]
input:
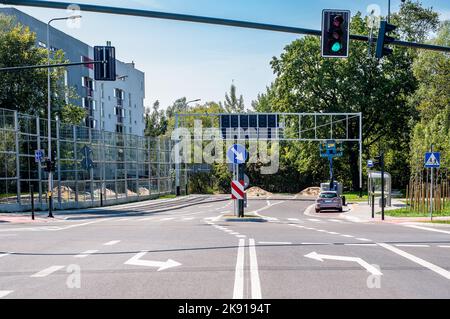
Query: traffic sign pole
[{"x": 431, "y": 189}]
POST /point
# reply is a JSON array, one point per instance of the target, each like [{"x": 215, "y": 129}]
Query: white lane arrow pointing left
[
  {"x": 136, "y": 261},
  {"x": 367, "y": 266}
]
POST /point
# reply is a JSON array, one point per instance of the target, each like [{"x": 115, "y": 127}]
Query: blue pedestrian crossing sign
[
  {"x": 237, "y": 154},
  {"x": 433, "y": 160}
]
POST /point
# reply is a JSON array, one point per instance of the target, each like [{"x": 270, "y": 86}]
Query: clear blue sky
[{"x": 201, "y": 61}]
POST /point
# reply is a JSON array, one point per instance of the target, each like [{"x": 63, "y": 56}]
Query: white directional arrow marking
[
  {"x": 136, "y": 261},
  {"x": 364, "y": 264},
  {"x": 239, "y": 156}
]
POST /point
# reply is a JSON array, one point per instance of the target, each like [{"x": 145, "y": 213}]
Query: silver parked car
[{"x": 328, "y": 200}]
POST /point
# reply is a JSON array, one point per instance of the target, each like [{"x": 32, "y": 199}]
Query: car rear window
[{"x": 328, "y": 195}]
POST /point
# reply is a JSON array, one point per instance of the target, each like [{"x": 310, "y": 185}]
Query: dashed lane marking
[
  {"x": 274, "y": 243},
  {"x": 46, "y": 272},
  {"x": 4, "y": 293},
  {"x": 111, "y": 243},
  {"x": 86, "y": 253}
]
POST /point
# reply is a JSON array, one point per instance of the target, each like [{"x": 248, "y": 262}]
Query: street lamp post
[
  {"x": 177, "y": 155},
  {"x": 49, "y": 110}
]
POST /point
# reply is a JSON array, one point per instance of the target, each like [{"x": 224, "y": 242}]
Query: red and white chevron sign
[{"x": 237, "y": 190}]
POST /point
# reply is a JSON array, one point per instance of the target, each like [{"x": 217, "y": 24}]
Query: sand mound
[
  {"x": 257, "y": 191},
  {"x": 310, "y": 191},
  {"x": 143, "y": 191}
]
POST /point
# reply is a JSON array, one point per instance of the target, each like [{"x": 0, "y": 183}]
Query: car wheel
[{"x": 340, "y": 210}]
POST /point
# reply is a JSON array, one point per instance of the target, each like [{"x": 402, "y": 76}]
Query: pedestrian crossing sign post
[{"x": 433, "y": 160}]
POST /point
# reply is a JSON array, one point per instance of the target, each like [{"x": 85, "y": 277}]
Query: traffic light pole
[
  {"x": 200, "y": 19},
  {"x": 46, "y": 66}
]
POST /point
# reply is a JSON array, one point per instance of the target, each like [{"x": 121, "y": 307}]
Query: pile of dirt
[
  {"x": 257, "y": 191},
  {"x": 310, "y": 191},
  {"x": 143, "y": 191}
]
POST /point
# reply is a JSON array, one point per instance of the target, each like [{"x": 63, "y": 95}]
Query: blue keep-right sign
[
  {"x": 433, "y": 160},
  {"x": 237, "y": 154}
]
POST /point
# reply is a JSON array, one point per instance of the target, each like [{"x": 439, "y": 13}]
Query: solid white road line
[
  {"x": 333, "y": 233},
  {"x": 86, "y": 253},
  {"x": 444, "y": 246},
  {"x": 111, "y": 243},
  {"x": 254, "y": 272},
  {"x": 274, "y": 243},
  {"x": 47, "y": 271},
  {"x": 238, "y": 292},
  {"x": 417, "y": 260},
  {"x": 348, "y": 236},
  {"x": 318, "y": 244},
  {"x": 408, "y": 245},
  {"x": 429, "y": 229},
  {"x": 4, "y": 293}
]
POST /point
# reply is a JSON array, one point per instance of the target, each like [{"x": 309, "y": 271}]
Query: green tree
[
  {"x": 26, "y": 91},
  {"x": 432, "y": 101},
  {"x": 155, "y": 121},
  {"x": 232, "y": 103},
  {"x": 306, "y": 82}
]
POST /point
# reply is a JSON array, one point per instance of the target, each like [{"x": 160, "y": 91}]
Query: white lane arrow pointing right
[
  {"x": 367, "y": 266},
  {"x": 136, "y": 261},
  {"x": 239, "y": 156}
]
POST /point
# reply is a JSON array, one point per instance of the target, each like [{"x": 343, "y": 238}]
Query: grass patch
[
  {"x": 354, "y": 197},
  {"x": 407, "y": 212},
  {"x": 169, "y": 196}
]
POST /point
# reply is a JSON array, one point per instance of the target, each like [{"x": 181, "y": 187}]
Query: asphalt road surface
[{"x": 191, "y": 252}]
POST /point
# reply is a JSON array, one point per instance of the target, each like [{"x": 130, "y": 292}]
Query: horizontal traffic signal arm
[
  {"x": 200, "y": 19},
  {"x": 47, "y": 66}
]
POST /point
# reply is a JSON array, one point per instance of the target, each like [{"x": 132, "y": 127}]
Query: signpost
[
  {"x": 432, "y": 160},
  {"x": 331, "y": 149},
  {"x": 238, "y": 155}
]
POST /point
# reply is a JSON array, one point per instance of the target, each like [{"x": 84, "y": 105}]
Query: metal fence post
[
  {"x": 159, "y": 166},
  {"x": 58, "y": 158},
  {"x": 17, "y": 135},
  {"x": 149, "y": 154},
  {"x": 91, "y": 170},
  {"x": 38, "y": 133},
  {"x": 75, "y": 164}
]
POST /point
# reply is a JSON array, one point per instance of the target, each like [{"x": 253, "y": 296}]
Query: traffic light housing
[
  {"x": 50, "y": 166},
  {"x": 384, "y": 39},
  {"x": 335, "y": 33},
  {"x": 105, "y": 71}
]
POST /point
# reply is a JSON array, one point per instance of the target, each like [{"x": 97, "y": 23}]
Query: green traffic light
[{"x": 336, "y": 47}]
